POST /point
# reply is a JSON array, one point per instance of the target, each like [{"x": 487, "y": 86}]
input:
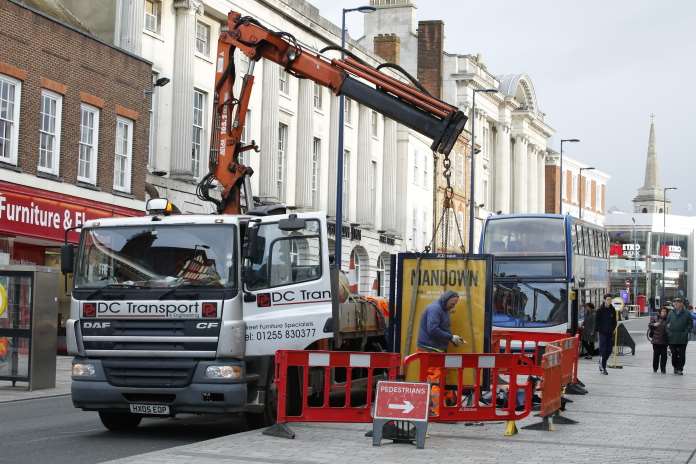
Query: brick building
[
  {"x": 73, "y": 132},
  {"x": 584, "y": 188},
  {"x": 74, "y": 127}
]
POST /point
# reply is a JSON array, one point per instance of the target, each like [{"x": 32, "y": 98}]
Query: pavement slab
[{"x": 630, "y": 416}]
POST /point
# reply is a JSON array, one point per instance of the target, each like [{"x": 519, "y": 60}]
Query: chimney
[
  {"x": 388, "y": 47},
  {"x": 431, "y": 36}
]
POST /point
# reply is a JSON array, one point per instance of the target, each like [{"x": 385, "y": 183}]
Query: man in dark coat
[
  {"x": 605, "y": 325},
  {"x": 588, "y": 330},
  {"x": 678, "y": 328}
]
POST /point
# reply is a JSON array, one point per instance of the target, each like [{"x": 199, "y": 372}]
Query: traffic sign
[{"x": 407, "y": 401}]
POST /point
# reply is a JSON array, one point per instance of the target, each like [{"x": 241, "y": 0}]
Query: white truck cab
[{"x": 183, "y": 313}]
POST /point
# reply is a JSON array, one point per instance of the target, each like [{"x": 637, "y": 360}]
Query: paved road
[{"x": 51, "y": 430}]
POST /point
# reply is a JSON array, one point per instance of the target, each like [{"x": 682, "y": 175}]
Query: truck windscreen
[{"x": 157, "y": 256}]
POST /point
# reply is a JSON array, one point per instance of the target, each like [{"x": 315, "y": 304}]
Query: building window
[
  {"x": 484, "y": 192},
  {"x": 198, "y": 131},
  {"x": 383, "y": 275},
  {"x": 280, "y": 160},
  {"x": 574, "y": 194},
  {"x": 485, "y": 143},
  {"x": 416, "y": 168},
  {"x": 243, "y": 157},
  {"x": 123, "y": 155},
  {"x": 458, "y": 227},
  {"x": 414, "y": 228},
  {"x": 459, "y": 170},
  {"x": 375, "y": 124},
  {"x": 49, "y": 131},
  {"x": 10, "y": 95},
  {"x": 284, "y": 82},
  {"x": 348, "y": 111},
  {"x": 424, "y": 230},
  {"x": 318, "y": 92},
  {"x": 587, "y": 194},
  {"x": 598, "y": 197},
  {"x": 153, "y": 15},
  {"x": 316, "y": 160},
  {"x": 373, "y": 190},
  {"x": 346, "y": 184},
  {"x": 426, "y": 171},
  {"x": 89, "y": 144},
  {"x": 202, "y": 38}
]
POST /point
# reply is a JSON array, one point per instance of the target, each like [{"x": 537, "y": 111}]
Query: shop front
[{"x": 33, "y": 223}]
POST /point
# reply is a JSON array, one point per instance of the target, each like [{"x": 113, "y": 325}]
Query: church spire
[
  {"x": 650, "y": 195},
  {"x": 652, "y": 173}
]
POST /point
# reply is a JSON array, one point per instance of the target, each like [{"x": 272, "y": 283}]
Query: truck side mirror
[
  {"x": 292, "y": 223},
  {"x": 67, "y": 258},
  {"x": 251, "y": 243}
]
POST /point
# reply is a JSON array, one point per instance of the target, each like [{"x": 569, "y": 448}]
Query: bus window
[
  {"x": 581, "y": 241},
  {"x": 593, "y": 242},
  {"x": 524, "y": 236},
  {"x": 574, "y": 238},
  {"x": 586, "y": 237}
]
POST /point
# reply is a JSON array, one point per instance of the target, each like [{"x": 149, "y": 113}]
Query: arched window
[
  {"x": 645, "y": 210},
  {"x": 359, "y": 271},
  {"x": 383, "y": 263}
]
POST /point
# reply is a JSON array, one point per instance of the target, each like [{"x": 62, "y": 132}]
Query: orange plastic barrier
[
  {"x": 534, "y": 344},
  {"x": 466, "y": 403},
  {"x": 354, "y": 367},
  {"x": 551, "y": 390}
]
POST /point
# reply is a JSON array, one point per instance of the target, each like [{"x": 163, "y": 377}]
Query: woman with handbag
[{"x": 657, "y": 332}]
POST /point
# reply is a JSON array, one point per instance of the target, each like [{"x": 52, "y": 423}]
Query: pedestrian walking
[
  {"x": 435, "y": 335},
  {"x": 605, "y": 325},
  {"x": 678, "y": 327},
  {"x": 588, "y": 330},
  {"x": 658, "y": 336}
]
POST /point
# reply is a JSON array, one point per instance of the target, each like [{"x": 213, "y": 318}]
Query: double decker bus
[{"x": 546, "y": 267}]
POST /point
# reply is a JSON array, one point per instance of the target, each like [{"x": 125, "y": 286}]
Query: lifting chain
[{"x": 447, "y": 208}]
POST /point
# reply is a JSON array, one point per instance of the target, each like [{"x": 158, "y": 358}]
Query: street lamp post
[
  {"x": 339, "y": 169},
  {"x": 664, "y": 231},
  {"x": 635, "y": 264},
  {"x": 560, "y": 199},
  {"x": 582, "y": 190},
  {"x": 473, "y": 166}
]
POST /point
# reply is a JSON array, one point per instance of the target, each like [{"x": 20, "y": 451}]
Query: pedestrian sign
[{"x": 408, "y": 401}]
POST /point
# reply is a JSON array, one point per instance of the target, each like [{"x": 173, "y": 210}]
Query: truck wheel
[
  {"x": 270, "y": 407},
  {"x": 119, "y": 421}
]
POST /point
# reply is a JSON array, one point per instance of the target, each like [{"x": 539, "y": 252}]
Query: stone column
[
  {"x": 132, "y": 18},
  {"x": 269, "y": 130},
  {"x": 521, "y": 174},
  {"x": 333, "y": 156},
  {"x": 531, "y": 179},
  {"x": 364, "y": 204},
  {"x": 305, "y": 144},
  {"x": 502, "y": 169},
  {"x": 389, "y": 178},
  {"x": 182, "y": 92},
  {"x": 541, "y": 181}
]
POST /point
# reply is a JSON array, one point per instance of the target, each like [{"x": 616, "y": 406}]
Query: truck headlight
[
  {"x": 223, "y": 372},
  {"x": 83, "y": 370}
]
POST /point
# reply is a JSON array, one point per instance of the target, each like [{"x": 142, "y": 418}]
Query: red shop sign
[{"x": 42, "y": 214}]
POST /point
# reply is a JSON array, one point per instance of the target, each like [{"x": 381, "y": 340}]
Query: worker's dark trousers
[
  {"x": 605, "y": 344},
  {"x": 659, "y": 357},
  {"x": 678, "y": 356}
]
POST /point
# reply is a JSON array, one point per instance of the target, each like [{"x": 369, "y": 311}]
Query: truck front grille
[
  {"x": 151, "y": 338},
  {"x": 149, "y": 373}
]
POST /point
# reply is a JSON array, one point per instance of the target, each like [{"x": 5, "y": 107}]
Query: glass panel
[
  {"x": 283, "y": 257},
  {"x": 157, "y": 256},
  {"x": 14, "y": 357},
  {"x": 529, "y": 304},
  {"x": 524, "y": 236}
]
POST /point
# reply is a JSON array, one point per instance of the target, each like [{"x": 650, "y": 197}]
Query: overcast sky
[{"x": 599, "y": 69}]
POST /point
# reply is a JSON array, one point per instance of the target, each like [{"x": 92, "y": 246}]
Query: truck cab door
[{"x": 287, "y": 287}]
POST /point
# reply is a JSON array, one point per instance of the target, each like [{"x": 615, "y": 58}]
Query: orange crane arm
[{"x": 349, "y": 76}]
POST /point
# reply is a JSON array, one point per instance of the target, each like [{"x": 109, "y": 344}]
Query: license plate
[{"x": 154, "y": 409}]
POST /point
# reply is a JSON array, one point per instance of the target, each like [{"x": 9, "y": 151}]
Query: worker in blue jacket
[{"x": 435, "y": 335}]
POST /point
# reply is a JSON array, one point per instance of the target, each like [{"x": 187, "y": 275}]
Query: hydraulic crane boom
[{"x": 396, "y": 100}]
